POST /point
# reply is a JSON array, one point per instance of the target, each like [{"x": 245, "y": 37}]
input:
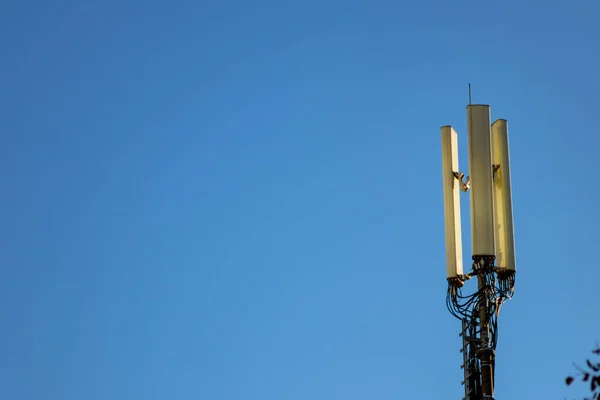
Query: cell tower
[{"x": 492, "y": 242}]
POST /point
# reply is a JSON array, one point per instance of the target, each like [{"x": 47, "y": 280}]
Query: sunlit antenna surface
[
  {"x": 452, "y": 187},
  {"x": 492, "y": 239},
  {"x": 503, "y": 216}
]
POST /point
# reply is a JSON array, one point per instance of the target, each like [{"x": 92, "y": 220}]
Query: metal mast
[{"x": 493, "y": 259}]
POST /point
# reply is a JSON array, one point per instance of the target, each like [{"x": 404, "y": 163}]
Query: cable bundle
[{"x": 468, "y": 307}]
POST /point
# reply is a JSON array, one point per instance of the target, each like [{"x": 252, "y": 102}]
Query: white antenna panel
[
  {"x": 504, "y": 232},
  {"x": 452, "y": 189},
  {"x": 480, "y": 166}
]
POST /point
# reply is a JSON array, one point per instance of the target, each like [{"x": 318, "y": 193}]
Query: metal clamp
[{"x": 464, "y": 186}]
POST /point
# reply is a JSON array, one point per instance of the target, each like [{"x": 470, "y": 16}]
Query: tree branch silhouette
[{"x": 591, "y": 374}]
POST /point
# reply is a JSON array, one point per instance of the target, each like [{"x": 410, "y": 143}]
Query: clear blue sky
[{"x": 243, "y": 200}]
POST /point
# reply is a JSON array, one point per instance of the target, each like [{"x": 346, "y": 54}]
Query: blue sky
[{"x": 243, "y": 200}]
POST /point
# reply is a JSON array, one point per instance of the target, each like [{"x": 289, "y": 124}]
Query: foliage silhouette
[{"x": 590, "y": 374}]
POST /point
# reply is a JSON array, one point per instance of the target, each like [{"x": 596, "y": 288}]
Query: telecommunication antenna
[{"x": 492, "y": 241}]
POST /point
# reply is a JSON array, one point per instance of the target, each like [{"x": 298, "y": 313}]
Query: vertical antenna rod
[{"x": 469, "y": 93}]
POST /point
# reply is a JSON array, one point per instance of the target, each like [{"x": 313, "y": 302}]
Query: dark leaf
[
  {"x": 586, "y": 376},
  {"x": 569, "y": 380},
  {"x": 595, "y": 383}
]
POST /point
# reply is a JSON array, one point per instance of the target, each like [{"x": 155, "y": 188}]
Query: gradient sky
[{"x": 243, "y": 200}]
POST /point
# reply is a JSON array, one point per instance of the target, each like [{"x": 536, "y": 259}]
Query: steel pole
[{"x": 485, "y": 352}]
